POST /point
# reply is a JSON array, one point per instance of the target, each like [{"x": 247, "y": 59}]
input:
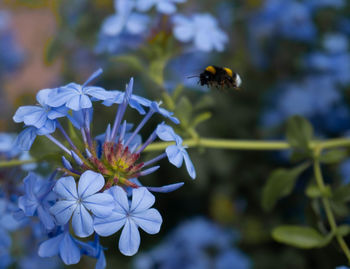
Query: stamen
[
  {"x": 59, "y": 144},
  {"x": 142, "y": 123},
  {"x": 93, "y": 76},
  {"x": 121, "y": 109},
  {"x": 156, "y": 159}
]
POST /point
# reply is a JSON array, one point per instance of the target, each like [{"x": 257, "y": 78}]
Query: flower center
[{"x": 117, "y": 164}]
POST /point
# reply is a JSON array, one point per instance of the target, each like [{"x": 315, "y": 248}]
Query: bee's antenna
[{"x": 196, "y": 76}]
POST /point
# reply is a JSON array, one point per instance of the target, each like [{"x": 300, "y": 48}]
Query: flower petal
[
  {"x": 97, "y": 92},
  {"x": 26, "y": 138},
  {"x": 74, "y": 103},
  {"x": 66, "y": 188},
  {"x": 82, "y": 222},
  {"x": 189, "y": 165},
  {"x": 149, "y": 220},
  {"x": 121, "y": 199},
  {"x": 100, "y": 204},
  {"x": 46, "y": 218},
  {"x": 50, "y": 247},
  {"x": 69, "y": 251},
  {"x": 129, "y": 241},
  {"x": 23, "y": 111},
  {"x": 63, "y": 210},
  {"x": 174, "y": 155},
  {"x": 89, "y": 183},
  {"x": 142, "y": 199},
  {"x": 109, "y": 225}
]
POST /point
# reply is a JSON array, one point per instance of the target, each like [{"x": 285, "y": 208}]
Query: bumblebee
[{"x": 220, "y": 77}]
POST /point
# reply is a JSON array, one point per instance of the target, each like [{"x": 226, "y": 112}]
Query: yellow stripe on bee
[
  {"x": 228, "y": 71},
  {"x": 211, "y": 69}
]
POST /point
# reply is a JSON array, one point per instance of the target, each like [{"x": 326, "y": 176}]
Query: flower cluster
[
  {"x": 196, "y": 243},
  {"x": 100, "y": 190},
  {"x": 131, "y": 24}
]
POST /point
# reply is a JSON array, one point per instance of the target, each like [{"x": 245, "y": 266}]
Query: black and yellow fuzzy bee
[{"x": 219, "y": 77}]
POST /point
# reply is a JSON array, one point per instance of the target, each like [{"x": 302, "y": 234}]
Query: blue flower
[
  {"x": 345, "y": 171},
  {"x": 288, "y": 19},
  {"x": 125, "y": 20},
  {"x": 7, "y": 222},
  {"x": 136, "y": 102},
  {"x": 176, "y": 153},
  {"x": 76, "y": 96},
  {"x": 335, "y": 42},
  {"x": 63, "y": 245},
  {"x": 232, "y": 256},
  {"x": 187, "y": 247},
  {"x": 94, "y": 250},
  {"x": 37, "y": 199},
  {"x": 202, "y": 29},
  {"x": 41, "y": 117},
  {"x": 136, "y": 214},
  {"x": 77, "y": 201},
  {"x": 163, "y": 6},
  {"x": 5, "y": 258},
  {"x": 26, "y": 138},
  {"x": 7, "y": 147}
]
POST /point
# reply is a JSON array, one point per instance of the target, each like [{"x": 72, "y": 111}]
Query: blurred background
[{"x": 293, "y": 57}]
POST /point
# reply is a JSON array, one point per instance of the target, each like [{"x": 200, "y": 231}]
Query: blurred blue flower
[
  {"x": 326, "y": 3},
  {"x": 37, "y": 199},
  {"x": 335, "y": 42},
  {"x": 191, "y": 245},
  {"x": 288, "y": 19},
  {"x": 314, "y": 96},
  {"x": 79, "y": 201},
  {"x": 63, "y": 245},
  {"x": 7, "y": 222},
  {"x": 122, "y": 30},
  {"x": 5, "y": 258},
  {"x": 344, "y": 170},
  {"x": 163, "y": 6},
  {"x": 334, "y": 62},
  {"x": 226, "y": 259},
  {"x": 130, "y": 215},
  {"x": 202, "y": 29},
  {"x": 7, "y": 147},
  {"x": 11, "y": 55},
  {"x": 95, "y": 250}
]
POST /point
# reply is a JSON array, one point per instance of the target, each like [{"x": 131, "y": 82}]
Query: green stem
[
  {"x": 248, "y": 144},
  {"x": 325, "y": 200},
  {"x": 16, "y": 162}
]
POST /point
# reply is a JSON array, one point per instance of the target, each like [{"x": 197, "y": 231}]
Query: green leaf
[
  {"x": 168, "y": 101},
  {"x": 300, "y": 237},
  {"x": 299, "y": 132},
  {"x": 333, "y": 156},
  {"x": 342, "y": 194},
  {"x": 177, "y": 92},
  {"x": 339, "y": 208},
  {"x": 130, "y": 60},
  {"x": 200, "y": 118},
  {"x": 313, "y": 191},
  {"x": 279, "y": 184},
  {"x": 184, "y": 111},
  {"x": 205, "y": 102},
  {"x": 343, "y": 230}
]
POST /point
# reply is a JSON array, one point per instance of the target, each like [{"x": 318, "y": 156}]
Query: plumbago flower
[
  {"x": 202, "y": 29},
  {"x": 100, "y": 189}
]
